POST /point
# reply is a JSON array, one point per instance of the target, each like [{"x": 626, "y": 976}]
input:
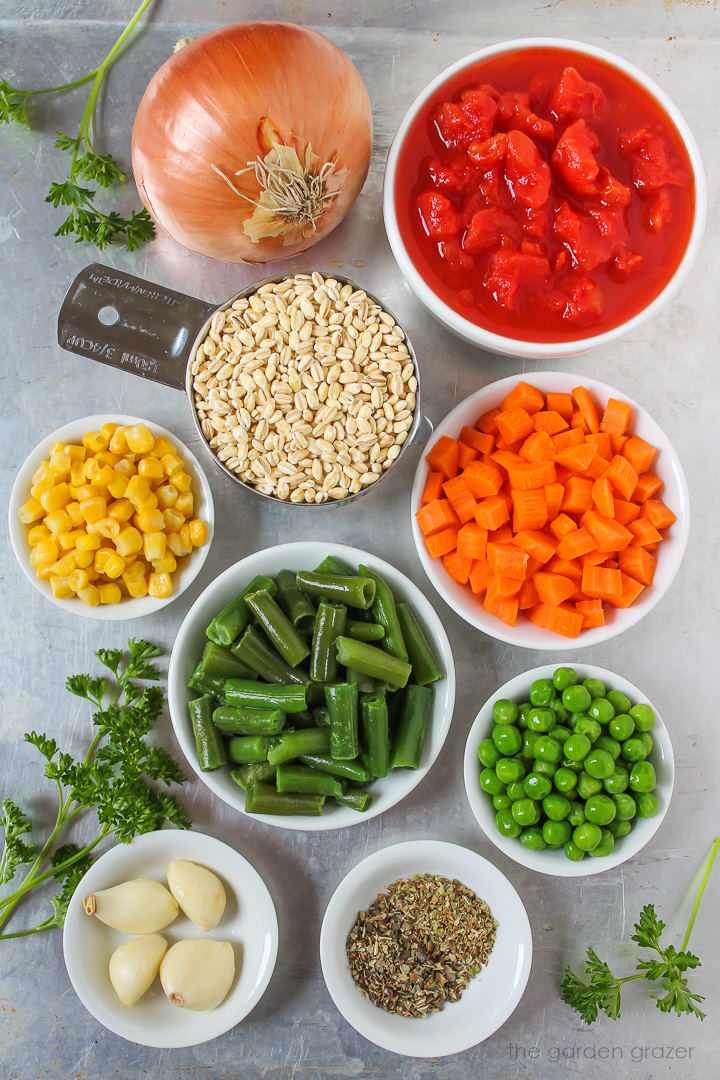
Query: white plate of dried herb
[{"x": 425, "y": 948}]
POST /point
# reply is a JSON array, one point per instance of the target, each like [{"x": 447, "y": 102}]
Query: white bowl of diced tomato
[
  {"x": 543, "y": 197},
  {"x": 546, "y": 512}
]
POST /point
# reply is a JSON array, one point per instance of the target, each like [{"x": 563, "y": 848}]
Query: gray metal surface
[{"x": 670, "y": 365}]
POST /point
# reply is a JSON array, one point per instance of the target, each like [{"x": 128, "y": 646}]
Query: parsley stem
[{"x": 709, "y": 860}]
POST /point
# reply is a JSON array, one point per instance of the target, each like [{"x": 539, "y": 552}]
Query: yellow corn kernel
[
  {"x": 168, "y": 565},
  {"x": 78, "y": 580},
  {"x": 44, "y": 554},
  {"x": 163, "y": 446},
  {"x": 42, "y": 473},
  {"x": 60, "y": 463},
  {"x": 86, "y": 491},
  {"x": 60, "y": 586},
  {"x": 109, "y": 563},
  {"x": 181, "y": 480},
  {"x": 84, "y": 559},
  {"x": 105, "y": 476},
  {"x": 129, "y": 541},
  {"x": 154, "y": 545},
  {"x": 117, "y": 484},
  {"x": 149, "y": 502},
  {"x": 77, "y": 473},
  {"x": 88, "y": 542},
  {"x": 90, "y": 596},
  {"x": 42, "y": 487},
  {"x": 135, "y": 579},
  {"x": 118, "y": 443},
  {"x": 92, "y": 467},
  {"x": 139, "y": 439},
  {"x": 38, "y": 533},
  {"x": 160, "y": 586},
  {"x": 173, "y": 520},
  {"x": 149, "y": 521},
  {"x": 106, "y": 457},
  {"x": 110, "y": 593},
  {"x": 151, "y": 468},
  {"x": 75, "y": 453},
  {"x": 93, "y": 508},
  {"x": 121, "y": 509},
  {"x": 137, "y": 491},
  {"x": 179, "y": 542},
  {"x": 198, "y": 532},
  {"x": 109, "y": 527},
  {"x": 108, "y": 430},
  {"x": 67, "y": 540},
  {"x": 58, "y": 522},
  {"x": 185, "y": 504},
  {"x": 56, "y": 497},
  {"x": 30, "y": 511},
  {"x": 126, "y": 467},
  {"x": 95, "y": 441},
  {"x": 171, "y": 463},
  {"x": 137, "y": 588},
  {"x": 63, "y": 567},
  {"x": 75, "y": 513},
  {"x": 167, "y": 496},
  {"x": 57, "y": 447}
]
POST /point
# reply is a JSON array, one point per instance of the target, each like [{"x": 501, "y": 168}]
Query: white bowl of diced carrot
[{"x": 544, "y": 510}]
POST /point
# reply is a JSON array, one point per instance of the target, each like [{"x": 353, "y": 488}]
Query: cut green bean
[
  {"x": 333, "y": 565},
  {"x": 205, "y": 685},
  {"x": 232, "y": 620},
  {"x": 348, "y": 770},
  {"x": 364, "y": 683},
  {"x": 321, "y": 716},
  {"x": 369, "y": 660},
  {"x": 277, "y": 627},
  {"x": 425, "y": 667},
  {"x": 219, "y": 663},
  {"x": 240, "y": 720},
  {"x": 299, "y": 609},
  {"x": 250, "y": 694},
  {"x": 255, "y": 773},
  {"x": 352, "y": 590},
  {"x": 356, "y": 800},
  {"x": 304, "y": 780},
  {"x": 263, "y": 799},
  {"x": 255, "y": 650},
  {"x": 329, "y": 624},
  {"x": 364, "y": 631},
  {"x": 385, "y": 613},
  {"x": 342, "y": 705},
  {"x": 246, "y": 749},
  {"x": 410, "y": 733},
  {"x": 295, "y": 744},
  {"x": 208, "y": 741},
  {"x": 376, "y": 734}
]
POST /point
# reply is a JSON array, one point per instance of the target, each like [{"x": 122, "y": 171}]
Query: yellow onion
[{"x": 252, "y": 142}]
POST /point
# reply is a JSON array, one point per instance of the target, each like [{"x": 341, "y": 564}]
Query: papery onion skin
[{"x": 222, "y": 100}]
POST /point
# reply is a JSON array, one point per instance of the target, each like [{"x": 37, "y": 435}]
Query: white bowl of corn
[{"x": 111, "y": 517}]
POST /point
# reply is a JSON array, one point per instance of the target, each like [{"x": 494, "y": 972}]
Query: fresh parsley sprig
[
  {"x": 601, "y": 992},
  {"x": 84, "y": 219},
  {"x": 117, "y": 779}
]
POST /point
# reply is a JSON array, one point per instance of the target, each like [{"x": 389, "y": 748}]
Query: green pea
[
  {"x": 532, "y": 838},
  {"x": 647, "y": 741},
  {"x": 560, "y": 733},
  {"x": 621, "y": 727},
  {"x": 525, "y": 812},
  {"x": 647, "y": 804},
  {"x": 565, "y": 780},
  {"x": 509, "y": 769},
  {"x": 642, "y": 777},
  {"x": 605, "y": 847},
  {"x": 505, "y": 712},
  {"x": 587, "y": 836},
  {"x": 600, "y": 764},
  {"x": 576, "y": 699},
  {"x": 577, "y": 813},
  {"x": 586, "y": 726},
  {"x": 506, "y": 824},
  {"x": 522, "y": 722},
  {"x": 618, "y": 782},
  {"x": 548, "y": 749},
  {"x": 507, "y": 739},
  {"x": 633, "y": 750},
  {"x": 600, "y": 809},
  {"x": 528, "y": 745},
  {"x": 601, "y": 710},
  {"x": 595, "y": 687},
  {"x": 545, "y": 768},
  {"x": 536, "y": 786},
  {"x": 575, "y": 766},
  {"x": 573, "y": 852},
  {"x": 611, "y": 745},
  {"x": 564, "y": 677},
  {"x": 515, "y": 791},
  {"x": 501, "y": 802},
  {"x": 588, "y": 785},
  {"x": 542, "y": 692},
  {"x": 490, "y": 783},
  {"x": 556, "y": 807},
  {"x": 625, "y": 807},
  {"x": 488, "y": 754},
  {"x": 541, "y": 720},
  {"x": 556, "y": 833},
  {"x": 577, "y": 747},
  {"x": 619, "y": 828},
  {"x": 523, "y": 711},
  {"x": 573, "y": 718},
  {"x": 643, "y": 716},
  {"x": 619, "y": 701},
  {"x": 559, "y": 709}
]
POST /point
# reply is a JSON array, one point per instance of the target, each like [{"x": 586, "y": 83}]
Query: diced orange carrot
[
  {"x": 629, "y": 593},
  {"x": 611, "y": 564},
  {"x": 625, "y": 512},
  {"x": 578, "y": 495},
  {"x": 466, "y": 454},
  {"x": 538, "y": 447},
  {"x": 602, "y": 494},
  {"x": 639, "y": 564},
  {"x": 507, "y": 560},
  {"x": 601, "y": 441},
  {"x": 461, "y": 498},
  {"x": 553, "y": 589},
  {"x": 536, "y": 543},
  {"x": 503, "y": 535},
  {"x": 592, "y": 612},
  {"x": 601, "y": 582},
  {"x": 562, "y": 474},
  {"x": 560, "y": 403},
  {"x": 458, "y": 567},
  {"x": 617, "y": 417},
  {"x": 478, "y": 440},
  {"x": 579, "y": 422},
  {"x": 436, "y": 515},
  {"x": 472, "y": 540},
  {"x": 511, "y": 447},
  {"x": 596, "y": 468},
  {"x": 492, "y": 512},
  {"x": 567, "y": 567},
  {"x": 564, "y": 619},
  {"x": 539, "y": 615},
  {"x": 433, "y": 487},
  {"x": 554, "y": 494},
  {"x": 644, "y": 533},
  {"x": 576, "y": 458},
  {"x": 622, "y": 476},
  {"x": 444, "y": 456},
  {"x": 529, "y": 509},
  {"x": 562, "y": 525},
  {"x": 531, "y": 474},
  {"x": 506, "y": 458},
  {"x": 575, "y": 544},
  {"x": 571, "y": 437},
  {"x": 480, "y": 575},
  {"x": 505, "y": 587},
  {"x": 524, "y": 396},
  {"x": 528, "y": 595},
  {"x": 618, "y": 443},
  {"x": 487, "y": 422},
  {"x": 647, "y": 487},
  {"x": 440, "y": 543},
  {"x": 586, "y": 405},
  {"x": 593, "y": 558},
  {"x": 514, "y": 424},
  {"x": 657, "y": 513},
  {"x": 505, "y": 610},
  {"x": 483, "y": 478},
  {"x": 550, "y": 422},
  {"x": 639, "y": 453},
  {"x": 608, "y": 534}
]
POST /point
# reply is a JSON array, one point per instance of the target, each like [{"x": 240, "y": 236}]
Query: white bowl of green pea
[
  {"x": 237, "y": 732},
  {"x": 569, "y": 770}
]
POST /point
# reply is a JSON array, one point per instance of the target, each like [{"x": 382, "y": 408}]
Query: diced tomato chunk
[
  {"x": 650, "y": 165},
  {"x": 445, "y": 178},
  {"x": 454, "y": 256},
  {"x": 485, "y": 228},
  {"x": 487, "y": 153},
  {"x": 575, "y": 98},
  {"x": 439, "y": 217},
  {"x": 660, "y": 210},
  {"x": 479, "y": 110},
  {"x": 581, "y": 235},
  {"x": 611, "y": 191},
  {"x": 509, "y": 271},
  {"x": 573, "y": 159},
  {"x": 526, "y": 170}
]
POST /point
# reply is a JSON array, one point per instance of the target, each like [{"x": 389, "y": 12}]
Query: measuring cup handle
[
  {"x": 131, "y": 324},
  {"x": 423, "y": 431}
]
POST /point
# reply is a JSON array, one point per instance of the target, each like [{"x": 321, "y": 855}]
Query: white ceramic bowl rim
[{"x": 516, "y": 346}]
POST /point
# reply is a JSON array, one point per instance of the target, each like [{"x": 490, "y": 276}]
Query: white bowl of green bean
[{"x": 266, "y": 697}]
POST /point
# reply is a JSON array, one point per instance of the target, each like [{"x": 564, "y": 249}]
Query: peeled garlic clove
[
  {"x": 197, "y": 973},
  {"x": 198, "y": 891},
  {"x": 134, "y": 965},
  {"x": 141, "y": 906}
]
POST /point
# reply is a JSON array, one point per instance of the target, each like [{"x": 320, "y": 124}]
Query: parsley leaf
[{"x": 16, "y": 851}]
